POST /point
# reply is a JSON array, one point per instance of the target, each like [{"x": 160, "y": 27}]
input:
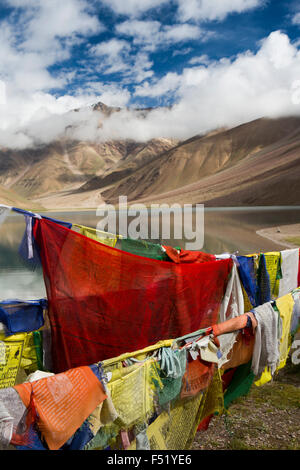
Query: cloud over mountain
[{"x": 56, "y": 57}]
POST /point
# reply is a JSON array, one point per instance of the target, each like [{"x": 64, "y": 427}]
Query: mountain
[
  {"x": 256, "y": 163},
  {"x": 65, "y": 165},
  {"x": 137, "y": 155},
  {"x": 223, "y": 168},
  {"x": 10, "y": 198},
  {"x": 52, "y": 173}
]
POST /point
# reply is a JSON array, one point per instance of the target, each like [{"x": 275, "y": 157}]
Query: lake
[{"x": 225, "y": 230}]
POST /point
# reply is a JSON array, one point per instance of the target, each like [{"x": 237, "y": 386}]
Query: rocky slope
[{"x": 256, "y": 163}]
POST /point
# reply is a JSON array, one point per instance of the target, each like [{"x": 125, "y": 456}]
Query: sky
[{"x": 200, "y": 64}]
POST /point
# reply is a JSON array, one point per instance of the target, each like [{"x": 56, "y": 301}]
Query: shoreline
[
  {"x": 149, "y": 205},
  {"x": 242, "y": 229},
  {"x": 280, "y": 234}
]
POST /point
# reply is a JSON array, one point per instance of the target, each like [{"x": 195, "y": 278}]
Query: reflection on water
[
  {"x": 225, "y": 230},
  {"x": 16, "y": 280}
]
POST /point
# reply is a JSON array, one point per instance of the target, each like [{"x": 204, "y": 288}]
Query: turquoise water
[{"x": 225, "y": 230}]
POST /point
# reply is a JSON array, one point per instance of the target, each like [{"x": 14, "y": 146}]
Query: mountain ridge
[
  {"x": 245, "y": 164},
  {"x": 214, "y": 159}
]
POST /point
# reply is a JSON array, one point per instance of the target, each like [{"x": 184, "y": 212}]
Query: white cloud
[
  {"x": 166, "y": 85},
  {"x": 202, "y": 59},
  {"x": 53, "y": 20},
  {"x": 152, "y": 34},
  {"x": 2, "y": 93},
  {"x": 208, "y": 10},
  {"x": 143, "y": 32},
  {"x": 141, "y": 68},
  {"x": 39, "y": 34},
  {"x": 296, "y": 18},
  {"x": 116, "y": 56},
  {"x": 133, "y": 7},
  {"x": 181, "y": 32},
  {"x": 205, "y": 10},
  {"x": 209, "y": 94},
  {"x": 113, "y": 47},
  {"x": 223, "y": 93},
  {"x": 184, "y": 51},
  {"x": 42, "y": 118},
  {"x": 81, "y": 125},
  {"x": 110, "y": 94},
  {"x": 45, "y": 25},
  {"x": 131, "y": 59}
]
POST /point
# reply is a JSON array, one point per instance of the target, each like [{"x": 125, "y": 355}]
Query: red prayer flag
[
  {"x": 104, "y": 302},
  {"x": 187, "y": 256}
]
